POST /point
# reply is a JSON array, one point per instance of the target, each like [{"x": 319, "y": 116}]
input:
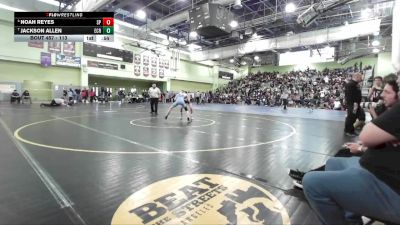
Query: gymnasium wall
[
  {"x": 382, "y": 65},
  {"x": 140, "y": 85},
  {"x": 191, "y": 71},
  {"x": 385, "y": 66},
  {"x": 178, "y": 85},
  {"x": 20, "y": 54},
  {"x": 18, "y": 72},
  {"x": 19, "y": 62},
  {"x": 271, "y": 68}
]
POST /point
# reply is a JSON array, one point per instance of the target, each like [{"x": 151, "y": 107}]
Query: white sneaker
[{"x": 298, "y": 184}]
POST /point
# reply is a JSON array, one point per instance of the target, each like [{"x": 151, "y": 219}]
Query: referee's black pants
[
  {"x": 154, "y": 104},
  {"x": 285, "y": 103},
  {"x": 352, "y": 117}
]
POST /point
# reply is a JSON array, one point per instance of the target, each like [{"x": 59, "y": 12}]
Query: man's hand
[
  {"x": 372, "y": 112},
  {"x": 353, "y": 147}
]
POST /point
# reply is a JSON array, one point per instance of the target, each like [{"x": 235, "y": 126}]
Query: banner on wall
[
  {"x": 154, "y": 72},
  {"x": 35, "y": 44},
  {"x": 65, "y": 60},
  {"x": 225, "y": 75},
  {"x": 137, "y": 59},
  {"x": 161, "y": 73},
  {"x": 102, "y": 65},
  {"x": 45, "y": 59},
  {"x": 146, "y": 71},
  {"x": 145, "y": 60},
  {"x": 99, "y": 51},
  {"x": 154, "y": 61},
  {"x": 69, "y": 48},
  {"x": 137, "y": 70},
  {"x": 166, "y": 64},
  {"x": 161, "y": 63},
  {"x": 54, "y": 47}
]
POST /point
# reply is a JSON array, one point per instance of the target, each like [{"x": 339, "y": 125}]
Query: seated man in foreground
[
  {"x": 367, "y": 185},
  {"x": 389, "y": 98}
]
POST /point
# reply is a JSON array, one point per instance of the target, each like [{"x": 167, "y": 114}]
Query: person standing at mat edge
[
  {"x": 154, "y": 93},
  {"x": 353, "y": 99}
]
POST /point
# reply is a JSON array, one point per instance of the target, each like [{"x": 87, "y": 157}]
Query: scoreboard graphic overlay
[{"x": 64, "y": 26}]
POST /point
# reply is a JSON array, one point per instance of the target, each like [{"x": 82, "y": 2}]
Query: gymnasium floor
[{"x": 94, "y": 164}]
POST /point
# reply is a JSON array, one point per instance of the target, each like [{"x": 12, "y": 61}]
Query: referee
[
  {"x": 154, "y": 93},
  {"x": 353, "y": 99}
]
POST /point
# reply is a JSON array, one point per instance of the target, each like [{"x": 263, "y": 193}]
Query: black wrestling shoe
[
  {"x": 296, "y": 175},
  {"x": 166, "y": 117}
]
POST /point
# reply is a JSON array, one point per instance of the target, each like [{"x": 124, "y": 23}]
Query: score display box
[
  {"x": 108, "y": 30},
  {"x": 63, "y": 26},
  {"x": 108, "y": 22}
]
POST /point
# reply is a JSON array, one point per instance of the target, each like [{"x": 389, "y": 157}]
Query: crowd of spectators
[{"x": 310, "y": 88}]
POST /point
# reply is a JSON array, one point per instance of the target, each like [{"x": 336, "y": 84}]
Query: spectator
[
  {"x": 197, "y": 97},
  {"x": 84, "y": 95},
  {"x": 92, "y": 95},
  {"x": 26, "y": 96},
  {"x": 121, "y": 96},
  {"x": 70, "y": 95},
  {"x": 335, "y": 192},
  {"x": 375, "y": 91},
  {"x": 303, "y": 88},
  {"x": 15, "y": 97}
]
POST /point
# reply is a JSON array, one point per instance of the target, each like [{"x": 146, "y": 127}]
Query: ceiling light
[
  {"x": 238, "y": 4},
  {"x": 375, "y": 43},
  {"x": 140, "y": 14},
  {"x": 6, "y": 7},
  {"x": 256, "y": 58},
  {"x": 231, "y": 60},
  {"x": 375, "y": 50},
  {"x": 193, "y": 34},
  {"x": 234, "y": 23},
  {"x": 244, "y": 63},
  {"x": 366, "y": 13},
  {"x": 216, "y": 56},
  {"x": 290, "y": 7},
  {"x": 376, "y": 33}
]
